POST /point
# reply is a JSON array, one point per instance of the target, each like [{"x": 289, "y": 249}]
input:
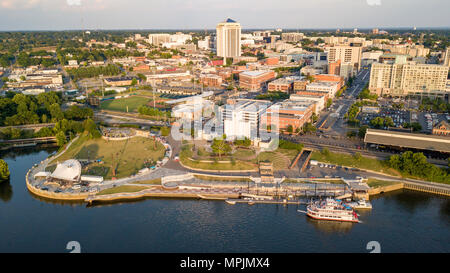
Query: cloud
[
  {"x": 74, "y": 2},
  {"x": 374, "y": 2}
]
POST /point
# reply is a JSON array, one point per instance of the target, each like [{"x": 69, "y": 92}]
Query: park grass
[
  {"x": 375, "y": 183},
  {"x": 122, "y": 189},
  {"x": 351, "y": 161},
  {"x": 128, "y": 155},
  {"x": 280, "y": 158},
  {"x": 133, "y": 103},
  {"x": 244, "y": 153},
  {"x": 227, "y": 166},
  {"x": 156, "y": 181},
  {"x": 223, "y": 179}
]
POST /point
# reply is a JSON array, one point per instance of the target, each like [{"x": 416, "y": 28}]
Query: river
[{"x": 401, "y": 221}]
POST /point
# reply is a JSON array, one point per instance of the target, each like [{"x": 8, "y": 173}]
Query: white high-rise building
[
  {"x": 242, "y": 119},
  {"x": 401, "y": 79},
  {"x": 228, "y": 39}
]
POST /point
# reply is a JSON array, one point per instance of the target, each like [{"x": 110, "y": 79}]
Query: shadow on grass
[{"x": 88, "y": 152}]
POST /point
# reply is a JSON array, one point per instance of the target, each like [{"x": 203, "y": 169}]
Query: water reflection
[
  {"x": 19, "y": 152},
  {"x": 6, "y": 191},
  {"x": 329, "y": 227},
  {"x": 412, "y": 201},
  {"x": 72, "y": 203},
  {"x": 444, "y": 210}
]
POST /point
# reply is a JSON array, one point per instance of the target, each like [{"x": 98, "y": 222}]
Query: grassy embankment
[
  {"x": 353, "y": 161},
  {"x": 375, "y": 183},
  {"x": 241, "y": 159},
  {"x": 128, "y": 156},
  {"x": 122, "y": 189}
]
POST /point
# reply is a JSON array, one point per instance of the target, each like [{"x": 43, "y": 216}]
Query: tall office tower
[
  {"x": 447, "y": 57},
  {"x": 347, "y": 54},
  {"x": 228, "y": 41}
]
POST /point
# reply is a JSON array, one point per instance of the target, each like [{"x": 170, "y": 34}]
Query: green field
[
  {"x": 156, "y": 181},
  {"x": 352, "y": 161},
  {"x": 241, "y": 159},
  {"x": 280, "y": 158},
  {"x": 133, "y": 104},
  {"x": 375, "y": 183},
  {"x": 128, "y": 156}
]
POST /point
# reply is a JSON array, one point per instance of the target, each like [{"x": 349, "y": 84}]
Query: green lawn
[
  {"x": 122, "y": 189},
  {"x": 238, "y": 165},
  {"x": 133, "y": 104},
  {"x": 351, "y": 161},
  {"x": 129, "y": 156},
  {"x": 280, "y": 158},
  {"x": 156, "y": 181},
  {"x": 375, "y": 183},
  {"x": 219, "y": 178}
]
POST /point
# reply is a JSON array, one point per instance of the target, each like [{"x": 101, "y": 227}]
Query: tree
[
  {"x": 220, "y": 146},
  {"x": 55, "y": 112},
  {"x": 290, "y": 129},
  {"x": 165, "y": 131},
  {"x": 357, "y": 156},
  {"x": 329, "y": 103},
  {"x": 362, "y": 131},
  {"x": 4, "y": 171},
  {"x": 61, "y": 138},
  {"x": 91, "y": 128}
]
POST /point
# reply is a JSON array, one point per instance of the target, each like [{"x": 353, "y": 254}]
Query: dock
[{"x": 274, "y": 201}]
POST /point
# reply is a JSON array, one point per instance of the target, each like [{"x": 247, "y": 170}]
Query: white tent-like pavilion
[{"x": 69, "y": 170}]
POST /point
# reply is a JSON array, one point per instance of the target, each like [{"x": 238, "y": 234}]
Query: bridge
[
  {"x": 35, "y": 127},
  {"x": 27, "y": 142}
]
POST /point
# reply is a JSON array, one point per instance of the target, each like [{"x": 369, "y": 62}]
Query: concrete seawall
[
  {"x": 54, "y": 195},
  {"x": 383, "y": 189}
]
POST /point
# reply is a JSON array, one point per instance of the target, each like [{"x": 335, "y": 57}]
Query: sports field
[
  {"x": 133, "y": 104},
  {"x": 128, "y": 156}
]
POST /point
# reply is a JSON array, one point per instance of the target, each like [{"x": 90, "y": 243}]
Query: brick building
[{"x": 255, "y": 80}]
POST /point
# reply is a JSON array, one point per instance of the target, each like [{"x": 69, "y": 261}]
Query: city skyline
[{"x": 205, "y": 14}]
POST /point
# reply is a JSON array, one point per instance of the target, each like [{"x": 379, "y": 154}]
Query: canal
[{"x": 402, "y": 221}]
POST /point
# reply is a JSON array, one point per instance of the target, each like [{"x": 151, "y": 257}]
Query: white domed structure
[{"x": 69, "y": 170}]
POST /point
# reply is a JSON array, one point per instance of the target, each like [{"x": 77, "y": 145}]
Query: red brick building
[{"x": 255, "y": 80}]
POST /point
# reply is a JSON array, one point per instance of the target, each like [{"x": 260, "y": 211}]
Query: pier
[{"x": 441, "y": 189}]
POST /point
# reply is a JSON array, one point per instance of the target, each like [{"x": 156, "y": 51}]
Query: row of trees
[
  {"x": 273, "y": 96},
  {"x": 416, "y": 164},
  {"x": 380, "y": 122},
  {"x": 27, "y": 109},
  {"x": 93, "y": 71},
  {"x": 436, "y": 105},
  {"x": 43, "y": 108},
  {"x": 154, "y": 112},
  {"x": 26, "y": 59},
  {"x": 365, "y": 94}
]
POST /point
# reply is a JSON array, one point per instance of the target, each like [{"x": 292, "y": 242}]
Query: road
[{"x": 332, "y": 121}]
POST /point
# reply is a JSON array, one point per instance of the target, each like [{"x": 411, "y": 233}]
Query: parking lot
[
  {"x": 399, "y": 117},
  {"x": 429, "y": 119}
]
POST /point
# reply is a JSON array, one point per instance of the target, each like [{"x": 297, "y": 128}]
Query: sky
[{"x": 205, "y": 14}]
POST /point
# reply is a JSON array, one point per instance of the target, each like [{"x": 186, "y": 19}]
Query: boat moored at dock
[
  {"x": 331, "y": 210},
  {"x": 360, "y": 204}
]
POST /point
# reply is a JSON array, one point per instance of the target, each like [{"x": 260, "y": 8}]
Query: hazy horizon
[{"x": 60, "y": 15}]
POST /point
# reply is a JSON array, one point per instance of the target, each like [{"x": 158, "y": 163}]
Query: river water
[{"x": 401, "y": 221}]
